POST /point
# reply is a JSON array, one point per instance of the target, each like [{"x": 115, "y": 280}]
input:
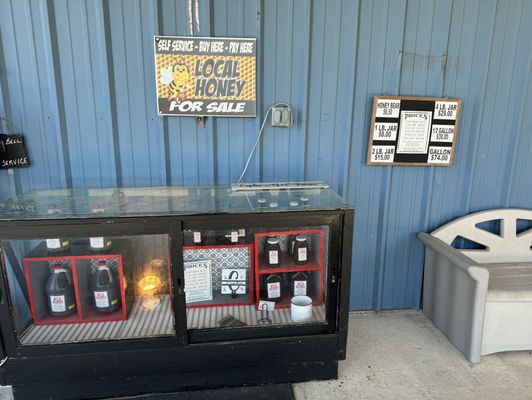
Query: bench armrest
[
  {"x": 454, "y": 295},
  {"x": 455, "y": 256}
]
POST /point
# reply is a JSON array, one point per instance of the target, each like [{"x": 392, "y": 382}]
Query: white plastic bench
[{"x": 481, "y": 298}]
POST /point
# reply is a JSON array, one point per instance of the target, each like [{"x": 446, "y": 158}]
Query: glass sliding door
[
  {"x": 66, "y": 289},
  {"x": 252, "y": 276}
]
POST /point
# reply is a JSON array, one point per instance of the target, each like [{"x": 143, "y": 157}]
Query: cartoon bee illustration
[{"x": 176, "y": 76}]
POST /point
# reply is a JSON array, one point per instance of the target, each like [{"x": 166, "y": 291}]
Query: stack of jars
[{"x": 276, "y": 285}]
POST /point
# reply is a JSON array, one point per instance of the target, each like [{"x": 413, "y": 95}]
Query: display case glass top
[{"x": 129, "y": 202}]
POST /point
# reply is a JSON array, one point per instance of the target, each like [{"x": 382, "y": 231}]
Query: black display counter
[{"x": 112, "y": 292}]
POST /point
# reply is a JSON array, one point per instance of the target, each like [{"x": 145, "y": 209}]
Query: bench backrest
[{"x": 508, "y": 246}]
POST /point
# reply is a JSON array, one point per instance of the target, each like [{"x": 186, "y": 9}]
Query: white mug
[{"x": 301, "y": 308}]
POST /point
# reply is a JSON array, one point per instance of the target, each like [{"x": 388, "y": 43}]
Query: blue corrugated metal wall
[{"x": 77, "y": 78}]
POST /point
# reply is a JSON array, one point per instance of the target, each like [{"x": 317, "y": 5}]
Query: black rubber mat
[{"x": 266, "y": 392}]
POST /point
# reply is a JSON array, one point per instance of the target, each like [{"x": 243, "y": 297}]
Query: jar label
[
  {"x": 234, "y": 237},
  {"x": 53, "y": 243},
  {"x": 273, "y": 257},
  {"x": 102, "y": 299},
  {"x": 97, "y": 242},
  {"x": 302, "y": 254},
  {"x": 300, "y": 288},
  {"x": 58, "y": 303},
  {"x": 197, "y": 237},
  {"x": 274, "y": 290}
]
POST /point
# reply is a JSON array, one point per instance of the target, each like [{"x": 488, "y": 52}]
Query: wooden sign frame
[{"x": 414, "y": 131}]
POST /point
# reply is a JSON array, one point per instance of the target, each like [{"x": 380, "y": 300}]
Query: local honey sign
[
  {"x": 413, "y": 131},
  {"x": 205, "y": 76}
]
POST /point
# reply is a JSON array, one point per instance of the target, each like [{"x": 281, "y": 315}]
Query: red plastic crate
[
  {"x": 288, "y": 265},
  {"x": 85, "y": 313}
]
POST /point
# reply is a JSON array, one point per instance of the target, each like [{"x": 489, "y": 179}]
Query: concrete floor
[{"x": 401, "y": 355}]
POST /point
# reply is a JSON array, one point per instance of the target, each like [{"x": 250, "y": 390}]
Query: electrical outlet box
[{"x": 282, "y": 117}]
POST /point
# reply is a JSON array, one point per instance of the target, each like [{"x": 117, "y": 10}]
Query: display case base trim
[{"x": 192, "y": 381}]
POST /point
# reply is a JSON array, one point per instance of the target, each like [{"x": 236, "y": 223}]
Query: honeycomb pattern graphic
[{"x": 246, "y": 67}]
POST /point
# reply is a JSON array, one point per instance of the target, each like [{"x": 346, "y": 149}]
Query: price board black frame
[{"x": 413, "y": 131}]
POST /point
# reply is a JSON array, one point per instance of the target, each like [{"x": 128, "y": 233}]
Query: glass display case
[{"x": 118, "y": 272}]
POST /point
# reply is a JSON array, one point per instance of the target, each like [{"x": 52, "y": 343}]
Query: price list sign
[{"x": 413, "y": 131}]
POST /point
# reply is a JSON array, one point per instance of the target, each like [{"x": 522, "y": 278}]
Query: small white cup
[{"x": 301, "y": 308}]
